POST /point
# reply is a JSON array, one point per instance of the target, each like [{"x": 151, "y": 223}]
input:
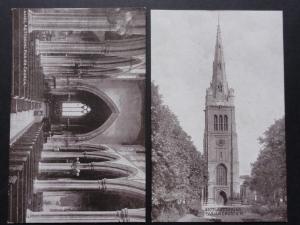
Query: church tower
[{"x": 220, "y": 137}]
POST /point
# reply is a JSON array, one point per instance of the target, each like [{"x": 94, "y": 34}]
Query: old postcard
[
  {"x": 77, "y": 148},
  {"x": 218, "y": 121}
]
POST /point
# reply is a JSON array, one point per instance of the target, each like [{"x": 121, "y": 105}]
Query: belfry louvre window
[
  {"x": 74, "y": 109},
  {"x": 215, "y": 122},
  {"x": 221, "y": 122},
  {"x": 225, "y": 122},
  {"x": 221, "y": 175}
]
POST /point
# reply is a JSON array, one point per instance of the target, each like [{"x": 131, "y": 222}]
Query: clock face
[{"x": 220, "y": 142}]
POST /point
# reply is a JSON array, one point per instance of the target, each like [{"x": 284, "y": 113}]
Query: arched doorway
[{"x": 222, "y": 198}]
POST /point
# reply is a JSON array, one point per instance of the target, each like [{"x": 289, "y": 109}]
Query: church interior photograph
[{"x": 77, "y": 148}]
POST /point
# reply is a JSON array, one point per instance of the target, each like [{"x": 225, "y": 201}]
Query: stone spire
[{"x": 219, "y": 82}]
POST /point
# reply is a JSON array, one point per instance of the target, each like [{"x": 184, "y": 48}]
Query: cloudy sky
[{"x": 182, "y": 49}]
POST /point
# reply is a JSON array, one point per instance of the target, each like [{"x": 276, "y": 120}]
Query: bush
[
  {"x": 280, "y": 210},
  {"x": 195, "y": 208},
  {"x": 270, "y": 213},
  {"x": 260, "y": 209},
  {"x": 155, "y": 212}
]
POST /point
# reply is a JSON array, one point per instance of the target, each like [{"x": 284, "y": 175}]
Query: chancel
[{"x": 77, "y": 116}]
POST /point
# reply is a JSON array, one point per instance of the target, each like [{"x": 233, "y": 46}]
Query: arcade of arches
[{"x": 77, "y": 116}]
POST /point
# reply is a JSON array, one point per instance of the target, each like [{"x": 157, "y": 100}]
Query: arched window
[
  {"x": 74, "y": 109},
  {"x": 221, "y": 122},
  {"x": 221, "y": 175},
  {"x": 225, "y": 122},
  {"x": 215, "y": 122}
]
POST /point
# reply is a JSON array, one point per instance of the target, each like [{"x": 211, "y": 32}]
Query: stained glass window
[{"x": 74, "y": 109}]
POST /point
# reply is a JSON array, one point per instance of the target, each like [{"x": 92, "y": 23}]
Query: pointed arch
[
  {"x": 221, "y": 175},
  {"x": 113, "y": 107},
  {"x": 225, "y": 122},
  {"x": 220, "y": 122},
  {"x": 215, "y": 122}
]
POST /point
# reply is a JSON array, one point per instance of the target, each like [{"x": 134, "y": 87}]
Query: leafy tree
[
  {"x": 269, "y": 171},
  {"x": 178, "y": 169}
]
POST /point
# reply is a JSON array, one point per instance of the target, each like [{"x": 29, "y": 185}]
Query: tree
[
  {"x": 269, "y": 171},
  {"x": 178, "y": 169}
]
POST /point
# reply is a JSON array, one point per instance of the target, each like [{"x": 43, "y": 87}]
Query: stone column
[
  {"x": 123, "y": 215},
  {"x": 125, "y": 47},
  {"x": 63, "y": 71},
  {"x": 13, "y": 199},
  {"x": 71, "y": 60},
  {"x": 131, "y": 21},
  {"x": 64, "y": 66},
  {"x": 118, "y": 185}
]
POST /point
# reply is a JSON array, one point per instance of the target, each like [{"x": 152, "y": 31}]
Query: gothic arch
[
  {"x": 221, "y": 174},
  {"x": 225, "y": 122},
  {"x": 220, "y": 122},
  {"x": 215, "y": 122},
  {"x": 77, "y": 86},
  {"x": 222, "y": 197}
]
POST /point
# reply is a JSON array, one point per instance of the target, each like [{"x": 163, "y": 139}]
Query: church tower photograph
[
  {"x": 220, "y": 136},
  {"x": 217, "y": 116}
]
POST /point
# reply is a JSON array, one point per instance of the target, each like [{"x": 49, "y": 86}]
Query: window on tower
[
  {"x": 215, "y": 122},
  {"x": 221, "y": 122},
  {"x": 225, "y": 122},
  {"x": 221, "y": 175}
]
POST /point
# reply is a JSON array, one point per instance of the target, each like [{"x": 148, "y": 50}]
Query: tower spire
[{"x": 219, "y": 82}]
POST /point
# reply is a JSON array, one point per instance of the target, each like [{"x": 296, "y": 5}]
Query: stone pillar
[
  {"x": 63, "y": 71},
  {"x": 125, "y": 47},
  {"x": 118, "y": 185},
  {"x": 100, "y": 62},
  {"x": 131, "y": 21},
  {"x": 102, "y": 67},
  {"x": 123, "y": 215},
  {"x": 13, "y": 199},
  {"x": 18, "y": 171}
]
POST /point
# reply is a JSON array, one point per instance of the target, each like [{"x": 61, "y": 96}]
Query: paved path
[{"x": 192, "y": 218}]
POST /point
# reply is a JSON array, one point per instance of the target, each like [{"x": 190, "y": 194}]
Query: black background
[{"x": 291, "y": 21}]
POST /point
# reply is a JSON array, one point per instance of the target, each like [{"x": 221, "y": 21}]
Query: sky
[{"x": 182, "y": 50}]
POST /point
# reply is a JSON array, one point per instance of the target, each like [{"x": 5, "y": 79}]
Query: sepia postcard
[
  {"x": 218, "y": 121},
  {"x": 77, "y": 148}
]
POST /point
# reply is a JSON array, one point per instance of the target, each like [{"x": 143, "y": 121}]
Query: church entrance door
[{"x": 221, "y": 198}]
